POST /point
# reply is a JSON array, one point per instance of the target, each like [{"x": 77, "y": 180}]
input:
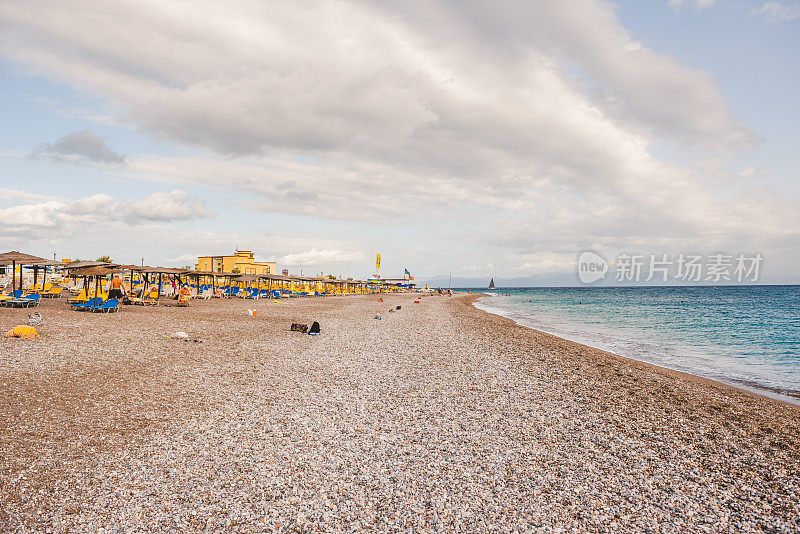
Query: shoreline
[
  {"x": 439, "y": 416},
  {"x": 754, "y": 388}
]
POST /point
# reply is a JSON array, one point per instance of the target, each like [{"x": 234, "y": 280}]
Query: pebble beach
[{"x": 438, "y": 417}]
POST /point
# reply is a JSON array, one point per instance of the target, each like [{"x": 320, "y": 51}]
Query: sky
[{"x": 480, "y": 139}]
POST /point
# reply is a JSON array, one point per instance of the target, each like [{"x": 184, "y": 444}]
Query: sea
[{"x": 746, "y": 336}]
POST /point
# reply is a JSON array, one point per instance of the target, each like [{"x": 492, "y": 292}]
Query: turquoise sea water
[{"x": 742, "y": 335}]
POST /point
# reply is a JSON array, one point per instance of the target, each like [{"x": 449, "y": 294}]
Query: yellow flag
[{"x": 378, "y": 262}]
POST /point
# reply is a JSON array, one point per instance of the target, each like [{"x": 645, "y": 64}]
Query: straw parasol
[
  {"x": 246, "y": 278},
  {"x": 97, "y": 272},
  {"x": 13, "y": 258},
  {"x": 44, "y": 265}
]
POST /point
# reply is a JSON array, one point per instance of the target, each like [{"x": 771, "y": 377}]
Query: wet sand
[{"x": 439, "y": 417}]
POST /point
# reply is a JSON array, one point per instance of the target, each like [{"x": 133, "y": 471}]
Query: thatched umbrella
[
  {"x": 44, "y": 264},
  {"x": 97, "y": 272},
  {"x": 246, "y": 278},
  {"x": 13, "y": 258},
  {"x": 79, "y": 264}
]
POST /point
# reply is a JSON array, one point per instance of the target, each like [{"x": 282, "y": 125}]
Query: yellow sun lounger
[
  {"x": 80, "y": 297},
  {"x": 53, "y": 292}
]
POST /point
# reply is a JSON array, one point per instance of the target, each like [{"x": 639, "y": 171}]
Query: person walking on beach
[{"x": 116, "y": 288}]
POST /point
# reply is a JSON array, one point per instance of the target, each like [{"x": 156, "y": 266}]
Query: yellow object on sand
[
  {"x": 278, "y": 301},
  {"x": 25, "y": 332}
]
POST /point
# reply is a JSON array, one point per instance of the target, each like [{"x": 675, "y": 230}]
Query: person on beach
[
  {"x": 116, "y": 288},
  {"x": 185, "y": 293},
  {"x": 184, "y": 296}
]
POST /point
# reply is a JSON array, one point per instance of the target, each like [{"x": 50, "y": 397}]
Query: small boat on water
[{"x": 491, "y": 284}]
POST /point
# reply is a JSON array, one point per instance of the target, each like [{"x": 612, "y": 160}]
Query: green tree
[{"x": 105, "y": 259}]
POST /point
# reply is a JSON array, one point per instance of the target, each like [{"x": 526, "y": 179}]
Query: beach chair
[
  {"x": 109, "y": 306},
  {"x": 24, "y": 301},
  {"x": 79, "y": 298},
  {"x": 251, "y": 293},
  {"x": 133, "y": 300},
  {"x": 53, "y": 292},
  {"x": 92, "y": 302}
]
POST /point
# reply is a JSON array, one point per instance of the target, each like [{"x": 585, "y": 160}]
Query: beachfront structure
[{"x": 242, "y": 261}]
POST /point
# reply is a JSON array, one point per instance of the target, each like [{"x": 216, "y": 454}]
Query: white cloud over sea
[{"x": 526, "y": 128}]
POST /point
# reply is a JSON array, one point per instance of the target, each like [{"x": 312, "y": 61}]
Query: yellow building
[{"x": 243, "y": 260}]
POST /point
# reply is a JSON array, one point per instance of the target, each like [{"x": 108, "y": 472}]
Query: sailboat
[{"x": 491, "y": 284}]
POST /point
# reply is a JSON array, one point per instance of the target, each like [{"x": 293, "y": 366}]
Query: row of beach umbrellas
[{"x": 99, "y": 269}]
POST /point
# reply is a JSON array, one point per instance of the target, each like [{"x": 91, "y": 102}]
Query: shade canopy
[
  {"x": 83, "y": 264},
  {"x": 245, "y": 277},
  {"x": 163, "y": 270},
  {"x": 15, "y": 256},
  {"x": 45, "y": 263},
  {"x": 97, "y": 270}
]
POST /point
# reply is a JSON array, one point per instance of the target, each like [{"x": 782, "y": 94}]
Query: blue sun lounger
[
  {"x": 109, "y": 306},
  {"x": 91, "y": 303},
  {"x": 22, "y": 301}
]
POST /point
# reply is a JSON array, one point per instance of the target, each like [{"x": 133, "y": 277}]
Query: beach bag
[
  {"x": 297, "y": 327},
  {"x": 314, "y": 330},
  {"x": 25, "y": 332},
  {"x": 35, "y": 319}
]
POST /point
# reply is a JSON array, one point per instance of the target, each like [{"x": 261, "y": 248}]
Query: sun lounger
[
  {"x": 92, "y": 302},
  {"x": 79, "y": 298},
  {"x": 151, "y": 299},
  {"x": 53, "y": 293},
  {"x": 109, "y": 306},
  {"x": 25, "y": 301}
]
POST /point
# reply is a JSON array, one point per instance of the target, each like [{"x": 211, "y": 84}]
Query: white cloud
[
  {"x": 176, "y": 205},
  {"x": 777, "y": 12},
  {"x": 244, "y": 78},
  {"x": 321, "y": 257},
  {"x": 699, "y": 4},
  {"x": 70, "y": 218},
  {"x": 80, "y": 146},
  {"x": 529, "y": 124},
  {"x": 17, "y": 194}
]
